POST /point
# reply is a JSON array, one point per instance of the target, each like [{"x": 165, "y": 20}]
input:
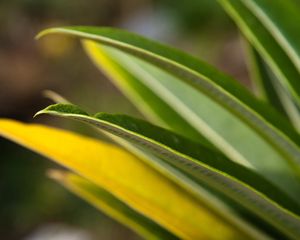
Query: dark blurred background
[{"x": 32, "y": 206}]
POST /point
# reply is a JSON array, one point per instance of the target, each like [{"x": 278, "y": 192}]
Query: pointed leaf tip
[
  {"x": 45, "y": 32},
  {"x": 63, "y": 109}
]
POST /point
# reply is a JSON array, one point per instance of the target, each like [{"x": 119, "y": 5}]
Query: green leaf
[
  {"x": 263, "y": 83},
  {"x": 236, "y": 182},
  {"x": 149, "y": 103},
  {"x": 111, "y": 205},
  {"x": 258, "y": 32},
  {"x": 270, "y": 89},
  {"x": 281, "y": 19},
  {"x": 213, "y": 121},
  {"x": 292, "y": 109},
  {"x": 225, "y": 94},
  {"x": 135, "y": 183}
]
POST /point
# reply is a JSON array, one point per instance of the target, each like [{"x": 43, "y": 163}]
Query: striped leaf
[
  {"x": 256, "y": 19},
  {"x": 270, "y": 89},
  {"x": 225, "y": 130},
  {"x": 258, "y": 123},
  {"x": 135, "y": 183},
  {"x": 236, "y": 182}
]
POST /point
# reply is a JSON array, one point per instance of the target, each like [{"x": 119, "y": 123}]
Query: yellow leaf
[
  {"x": 106, "y": 202},
  {"x": 127, "y": 177}
]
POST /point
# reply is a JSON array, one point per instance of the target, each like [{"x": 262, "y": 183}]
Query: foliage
[{"x": 214, "y": 155}]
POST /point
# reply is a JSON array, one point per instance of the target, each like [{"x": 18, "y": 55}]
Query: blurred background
[{"x": 32, "y": 206}]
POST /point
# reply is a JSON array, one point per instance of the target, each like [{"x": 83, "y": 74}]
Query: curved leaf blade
[
  {"x": 282, "y": 21},
  {"x": 222, "y": 128},
  {"x": 266, "y": 45},
  {"x": 219, "y": 87},
  {"x": 112, "y": 206},
  {"x": 262, "y": 81},
  {"x": 270, "y": 88},
  {"x": 103, "y": 164},
  {"x": 202, "y": 164},
  {"x": 149, "y": 103}
]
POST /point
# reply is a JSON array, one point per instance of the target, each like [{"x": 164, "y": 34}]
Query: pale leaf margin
[
  {"x": 281, "y": 18},
  {"x": 242, "y": 193},
  {"x": 103, "y": 164},
  {"x": 263, "y": 40},
  {"x": 219, "y": 87}
]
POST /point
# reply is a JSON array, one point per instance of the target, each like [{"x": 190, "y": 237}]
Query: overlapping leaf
[
  {"x": 204, "y": 165},
  {"x": 221, "y": 90},
  {"x": 261, "y": 80},
  {"x": 270, "y": 89},
  {"x": 213, "y": 121},
  {"x": 133, "y": 182},
  {"x": 149, "y": 103},
  {"x": 272, "y": 38},
  {"x": 281, "y": 18}
]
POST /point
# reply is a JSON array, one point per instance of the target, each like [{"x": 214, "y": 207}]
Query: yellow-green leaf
[
  {"x": 132, "y": 181},
  {"x": 223, "y": 129},
  {"x": 202, "y": 165},
  {"x": 108, "y": 203},
  {"x": 221, "y": 89}
]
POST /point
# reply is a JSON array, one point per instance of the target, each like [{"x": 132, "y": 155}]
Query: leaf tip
[
  {"x": 48, "y": 31},
  {"x": 46, "y": 110},
  {"x": 61, "y": 109},
  {"x": 39, "y": 113},
  {"x": 42, "y": 33}
]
